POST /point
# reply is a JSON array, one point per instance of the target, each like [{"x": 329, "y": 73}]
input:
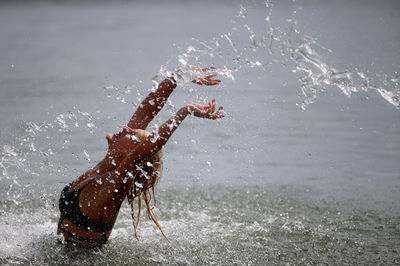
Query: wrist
[
  {"x": 173, "y": 80},
  {"x": 185, "y": 74},
  {"x": 184, "y": 111},
  {"x": 168, "y": 83}
]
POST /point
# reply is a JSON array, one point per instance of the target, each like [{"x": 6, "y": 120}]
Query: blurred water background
[{"x": 304, "y": 168}]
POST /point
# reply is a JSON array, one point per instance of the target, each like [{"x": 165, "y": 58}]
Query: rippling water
[
  {"x": 303, "y": 169},
  {"x": 252, "y": 225}
]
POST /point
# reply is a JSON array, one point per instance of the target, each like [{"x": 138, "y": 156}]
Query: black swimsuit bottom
[{"x": 69, "y": 208}]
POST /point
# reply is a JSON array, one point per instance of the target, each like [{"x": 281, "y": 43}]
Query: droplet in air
[
  {"x": 86, "y": 154},
  {"x": 134, "y": 138},
  {"x": 243, "y": 12}
]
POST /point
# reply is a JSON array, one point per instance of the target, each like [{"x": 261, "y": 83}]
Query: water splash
[
  {"x": 316, "y": 75},
  {"x": 274, "y": 225},
  {"x": 240, "y": 48},
  {"x": 297, "y": 51},
  {"x": 36, "y": 151},
  {"x": 117, "y": 93}
]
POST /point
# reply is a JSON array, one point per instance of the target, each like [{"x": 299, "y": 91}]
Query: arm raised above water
[
  {"x": 156, "y": 100},
  {"x": 155, "y": 141},
  {"x": 152, "y": 104}
]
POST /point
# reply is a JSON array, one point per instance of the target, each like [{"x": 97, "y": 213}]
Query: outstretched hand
[
  {"x": 206, "y": 111},
  {"x": 205, "y": 80}
]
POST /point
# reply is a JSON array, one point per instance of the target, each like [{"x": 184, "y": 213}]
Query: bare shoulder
[{"x": 81, "y": 181}]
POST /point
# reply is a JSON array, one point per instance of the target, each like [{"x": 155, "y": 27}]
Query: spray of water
[
  {"x": 33, "y": 152},
  {"x": 240, "y": 48},
  {"x": 298, "y": 51}
]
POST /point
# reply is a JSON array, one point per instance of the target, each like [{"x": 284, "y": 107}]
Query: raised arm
[
  {"x": 156, "y": 100},
  {"x": 152, "y": 104},
  {"x": 157, "y": 140}
]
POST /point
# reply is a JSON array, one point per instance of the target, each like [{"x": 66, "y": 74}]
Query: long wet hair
[{"x": 143, "y": 187}]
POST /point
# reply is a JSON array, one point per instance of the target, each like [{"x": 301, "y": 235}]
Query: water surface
[{"x": 271, "y": 183}]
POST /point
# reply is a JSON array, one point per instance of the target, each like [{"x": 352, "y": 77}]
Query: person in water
[{"x": 131, "y": 169}]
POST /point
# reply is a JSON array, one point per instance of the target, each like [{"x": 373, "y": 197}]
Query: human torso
[{"x": 89, "y": 208}]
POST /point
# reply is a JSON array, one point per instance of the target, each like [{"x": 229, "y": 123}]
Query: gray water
[{"x": 304, "y": 168}]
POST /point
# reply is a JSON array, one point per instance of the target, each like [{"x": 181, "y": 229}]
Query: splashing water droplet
[
  {"x": 87, "y": 155},
  {"x": 243, "y": 12}
]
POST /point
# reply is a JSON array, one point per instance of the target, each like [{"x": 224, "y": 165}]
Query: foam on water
[{"x": 216, "y": 225}]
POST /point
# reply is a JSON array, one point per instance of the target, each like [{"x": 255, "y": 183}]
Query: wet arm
[
  {"x": 157, "y": 140},
  {"x": 153, "y": 143},
  {"x": 152, "y": 104},
  {"x": 156, "y": 100}
]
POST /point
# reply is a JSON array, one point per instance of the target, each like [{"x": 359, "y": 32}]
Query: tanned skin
[{"x": 132, "y": 146}]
